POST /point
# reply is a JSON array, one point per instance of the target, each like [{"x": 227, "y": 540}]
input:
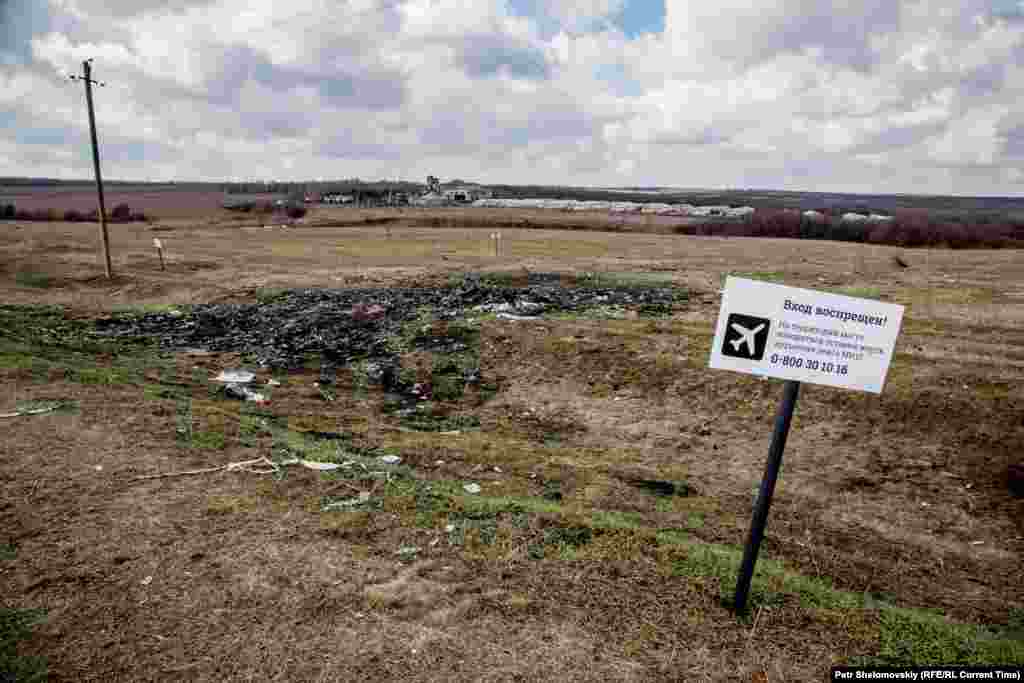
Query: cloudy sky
[{"x": 864, "y": 96}]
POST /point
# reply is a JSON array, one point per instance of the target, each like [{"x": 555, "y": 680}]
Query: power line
[{"x": 87, "y": 78}]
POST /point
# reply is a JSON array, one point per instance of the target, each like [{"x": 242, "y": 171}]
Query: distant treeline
[
  {"x": 122, "y": 213},
  {"x": 57, "y": 182},
  {"x": 906, "y": 229},
  {"x": 1001, "y": 207},
  {"x": 267, "y": 208},
  {"x": 299, "y": 190}
]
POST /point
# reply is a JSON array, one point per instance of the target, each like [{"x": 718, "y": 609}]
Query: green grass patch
[
  {"x": 929, "y": 328},
  {"x": 429, "y": 421},
  {"x": 763, "y": 275},
  {"x": 59, "y": 405},
  {"x": 563, "y": 542},
  {"x": 671, "y": 537},
  {"x": 598, "y": 312},
  {"x": 183, "y": 419},
  {"x": 156, "y": 392},
  {"x": 209, "y": 440},
  {"x": 919, "y": 637},
  {"x": 859, "y": 292},
  {"x": 138, "y": 310},
  {"x": 8, "y": 552},
  {"x": 250, "y": 428},
  {"x": 29, "y": 278},
  {"x": 227, "y": 505},
  {"x": 612, "y": 519},
  {"x": 16, "y": 625},
  {"x": 266, "y": 295},
  {"x": 771, "y": 581},
  {"x": 495, "y": 505},
  {"x": 906, "y": 636},
  {"x": 102, "y": 375},
  {"x": 288, "y": 442},
  {"x": 42, "y": 340},
  {"x": 448, "y": 387}
]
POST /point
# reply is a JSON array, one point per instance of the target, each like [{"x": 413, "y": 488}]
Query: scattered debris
[
  {"x": 362, "y": 498},
  {"x": 900, "y": 262},
  {"x": 281, "y": 333},
  {"x": 407, "y": 553},
  {"x": 326, "y": 393},
  {"x": 146, "y": 581},
  {"x": 510, "y": 316},
  {"x": 273, "y": 382},
  {"x": 390, "y": 459},
  {"x": 243, "y": 393},
  {"x": 32, "y": 411},
  {"x": 324, "y": 436},
  {"x": 471, "y": 488},
  {"x": 244, "y": 465},
  {"x": 661, "y": 488},
  {"x": 321, "y": 466},
  {"x": 235, "y": 376}
]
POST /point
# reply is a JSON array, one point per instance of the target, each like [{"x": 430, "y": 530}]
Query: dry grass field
[
  {"x": 893, "y": 536},
  {"x": 151, "y": 200}
]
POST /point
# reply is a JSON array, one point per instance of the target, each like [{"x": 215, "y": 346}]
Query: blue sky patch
[
  {"x": 638, "y": 17},
  {"x": 618, "y": 80},
  {"x": 1008, "y": 9},
  {"x": 635, "y": 18},
  {"x": 547, "y": 25}
]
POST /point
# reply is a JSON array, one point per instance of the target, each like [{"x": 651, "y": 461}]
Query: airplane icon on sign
[{"x": 746, "y": 337}]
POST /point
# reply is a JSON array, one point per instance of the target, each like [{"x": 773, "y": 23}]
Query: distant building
[
  {"x": 466, "y": 193},
  {"x": 337, "y": 198},
  {"x": 430, "y": 199},
  {"x": 741, "y": 212},
  {"x": 815, "y": 216},
  {"x": 710, "y": 210}
]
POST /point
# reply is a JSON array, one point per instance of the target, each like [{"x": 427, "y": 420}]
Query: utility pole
[{"x": 87, "y": 77}]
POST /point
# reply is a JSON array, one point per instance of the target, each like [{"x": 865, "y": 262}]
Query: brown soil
[{"x": 234, "y": 576}]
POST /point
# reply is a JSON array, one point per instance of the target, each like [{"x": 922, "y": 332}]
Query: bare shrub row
[
  {"x": 267, "y": 208},
  {"x": 906, "y": 229},
  {"x": 122, "y": 213}
]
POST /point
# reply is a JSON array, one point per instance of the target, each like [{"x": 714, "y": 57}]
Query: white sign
[
  {"x": 157, "y": 243},
  {"x": 799, "y": 334}
]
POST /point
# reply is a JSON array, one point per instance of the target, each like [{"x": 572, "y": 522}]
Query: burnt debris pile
[{"x": 345, "y": 325}]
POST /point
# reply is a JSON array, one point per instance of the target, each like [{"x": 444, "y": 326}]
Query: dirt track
[{"x": 901, "y": 496}]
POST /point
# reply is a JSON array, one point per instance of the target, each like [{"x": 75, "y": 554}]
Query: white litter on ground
[{"x": 235, "y": 376}]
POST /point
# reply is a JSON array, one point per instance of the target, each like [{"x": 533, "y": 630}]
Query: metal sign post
[
  {"x": 798, "y": 335},
  {"x": 764, "y": 497}
]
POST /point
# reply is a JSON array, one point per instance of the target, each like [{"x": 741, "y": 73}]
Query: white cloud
[{"x": 733, "y": 93}]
